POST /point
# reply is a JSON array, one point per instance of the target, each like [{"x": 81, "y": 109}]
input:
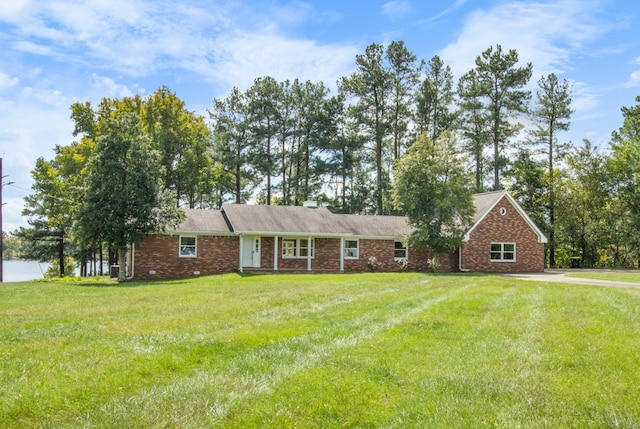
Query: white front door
[{"x": 251, "y": 252}]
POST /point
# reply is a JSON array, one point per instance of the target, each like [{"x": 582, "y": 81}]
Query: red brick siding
[
  {"x": 159, "y": 253},
  {"x": 327, "y": 257},
  {"x": 508, "y": 228}
]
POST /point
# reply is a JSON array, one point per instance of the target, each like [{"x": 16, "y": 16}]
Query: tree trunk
[
  {"x": 61, "y": 256},
  {"x": 122, "y": 262}
]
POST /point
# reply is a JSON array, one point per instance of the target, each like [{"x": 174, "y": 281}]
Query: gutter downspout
[
  {"x": 464, "y": 270},
  {"x": 240, "y": 237},
  {"x": 309, "y": 253},
  {"x": 133, "y": 260},
  {"x": 275, "y": 253}
]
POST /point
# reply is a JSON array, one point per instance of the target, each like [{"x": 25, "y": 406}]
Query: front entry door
[{"x": 251, "y": 252}]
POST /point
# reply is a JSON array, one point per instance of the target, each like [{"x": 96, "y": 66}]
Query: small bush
[{"x": 373, "y": 264}]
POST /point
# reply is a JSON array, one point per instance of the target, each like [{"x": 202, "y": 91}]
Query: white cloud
[
  {"x": 33, "y": 48},
  {"x": 109, "y": 87},
  {"x": 242, "y": 58},
  {"x": 545, "y": 34},
  {"x": 634, "y": 79},
  {"x": 7, "y": 81},
  {"x": 396, "y": 9}
]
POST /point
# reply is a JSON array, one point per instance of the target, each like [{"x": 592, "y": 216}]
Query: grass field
[
  {"x": 614, "y": 276},
  {"x": 319, "y": 351}
]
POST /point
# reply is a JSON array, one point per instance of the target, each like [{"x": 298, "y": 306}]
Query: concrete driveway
[{"x": 559, "y": 276}]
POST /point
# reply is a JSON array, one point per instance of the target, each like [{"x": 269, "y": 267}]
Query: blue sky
[{"x": 56, "y": 52}]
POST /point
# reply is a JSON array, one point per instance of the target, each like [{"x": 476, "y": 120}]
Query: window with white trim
[
  {"x": 188, "y": 247},
  {"x": 400, "y": 250},
  {"x": 297, "y": 248},
  {"x": 351, "y": 249},
  {"x": 503, "y": 252}
]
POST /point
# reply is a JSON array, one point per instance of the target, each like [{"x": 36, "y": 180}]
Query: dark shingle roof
[
  {"x": 484, "y": 202},
  {"x": 304, "y": 220},
  {"x": 374, "y": 226},
  {"x": 293, "y": 220},
  {"x": 280, "y": 219},
  {"x": 203, "y": 221}
]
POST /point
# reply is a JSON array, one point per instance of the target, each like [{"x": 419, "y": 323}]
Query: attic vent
[
  {"x": 311, "y": 204},
  {"x": 503, "y": 211}
]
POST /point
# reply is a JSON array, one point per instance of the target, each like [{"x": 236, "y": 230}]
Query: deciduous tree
[{"x": 432, "y": 189}]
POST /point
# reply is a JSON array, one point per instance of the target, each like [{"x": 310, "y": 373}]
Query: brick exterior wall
[
  {"x": 507, "y": 228},
  {"x": 157, "y": 256},
  {"x": 327, "y": 257},
  {"x": 159, "y": 253}
]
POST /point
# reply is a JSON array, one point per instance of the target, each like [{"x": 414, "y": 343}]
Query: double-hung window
[
  {"x": 351, "y": 249},
  {"x": 188, "y": 247},
  {"x": 400, "y": 250},
  {"x": 503, "y": 252},
  {"x": 297, "y": 248}
]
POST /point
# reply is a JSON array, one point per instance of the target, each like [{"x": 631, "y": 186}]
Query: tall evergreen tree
[
  {"x": 405, "y": 73},
  {"x": 434, "y": 98},
  {"x": 475, "y": 126},
  {"x": 502, "y": 84},
  {"x": 371, "y": 85},
  {"x": 262, "y": 99},
  {"x": 552, "y": 115},
  {"x": 232, "y": 141}
]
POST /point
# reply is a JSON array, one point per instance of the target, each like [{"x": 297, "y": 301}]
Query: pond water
[{"x": 21, "y": 271}]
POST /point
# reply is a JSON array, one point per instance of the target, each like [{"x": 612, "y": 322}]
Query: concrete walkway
[{"x": 559, "y": 276}]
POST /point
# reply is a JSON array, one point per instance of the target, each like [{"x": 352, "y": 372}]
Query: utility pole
[{"x": 1, "y": 230}]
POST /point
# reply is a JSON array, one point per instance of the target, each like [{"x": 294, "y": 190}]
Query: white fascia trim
[{"x": 290, "y": 234}]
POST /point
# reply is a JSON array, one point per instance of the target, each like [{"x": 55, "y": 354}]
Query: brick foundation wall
[
  {"x": 159, "y": 253},
  {"x": 507, "y": 228}
]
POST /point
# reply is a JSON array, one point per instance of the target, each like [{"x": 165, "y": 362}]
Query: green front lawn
[
  {"x": 319, "y": 351},
  {"x": 612, "y": 276}
]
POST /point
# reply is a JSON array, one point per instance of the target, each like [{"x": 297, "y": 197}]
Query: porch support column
[
  {"x": 241, "y": 252},
  {"x": 309, "y": 253},
  {"x": 275, "y": 253},
  {"x": 342, "y": 254}
]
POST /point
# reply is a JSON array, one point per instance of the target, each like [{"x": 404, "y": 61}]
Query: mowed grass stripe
[
  {"x": 481, "y": 360},
  {"x": 258, "y": 370}
]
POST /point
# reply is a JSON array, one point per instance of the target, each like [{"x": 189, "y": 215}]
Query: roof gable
[{"x": 486, "y": 201}]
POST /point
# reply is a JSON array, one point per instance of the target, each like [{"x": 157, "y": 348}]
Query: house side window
[
  {"x": 297, "y": 248},
  {"x": 503, "y": 252},
  {"x": 400, "y": 251},
  {"x": 351, "y": 249},
  {"x": 188, "y": 247}
]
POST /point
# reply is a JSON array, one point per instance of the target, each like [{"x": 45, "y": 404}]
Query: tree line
[{"x": 395, "y": 121}]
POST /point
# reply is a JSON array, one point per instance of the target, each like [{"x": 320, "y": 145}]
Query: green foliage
[
  {"x": 625, "y": 164},
  {"x": 54, "y": 270},
  {"x": 331, "y": 351},
  {"x": 501, "y": 83},
  {"x": 12, "y": 247},
  {"x": 528, "y": 185},
  {"x": 475, "y": 126},
  {"x": 552, "y": 114},
  {"x": 434, "y": 98},
  {"x": 432, "y": 189}
]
